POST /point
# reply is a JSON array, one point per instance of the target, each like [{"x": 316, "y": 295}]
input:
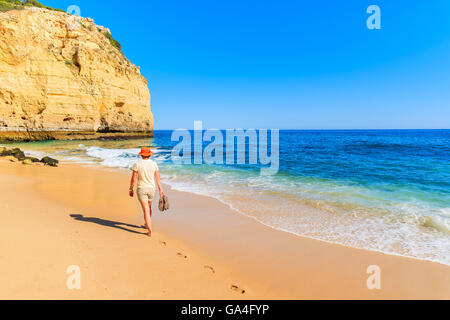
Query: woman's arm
[
  {"x": 133, "y": 181},
  {"x": 158, "y": 182}
]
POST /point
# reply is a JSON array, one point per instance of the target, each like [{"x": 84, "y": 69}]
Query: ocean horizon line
[{"x": 309, "y": 130}]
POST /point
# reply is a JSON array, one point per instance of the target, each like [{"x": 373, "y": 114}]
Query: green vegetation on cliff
[
  {"x": 113, "y": 41},
  {"x": 7, "y": 5}
]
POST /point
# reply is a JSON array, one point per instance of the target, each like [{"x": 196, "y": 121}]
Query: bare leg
[
  {"x": 147, "y": 209},
  {"x": 150, "y": 215}
]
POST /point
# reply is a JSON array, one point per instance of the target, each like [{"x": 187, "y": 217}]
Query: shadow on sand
[{"x": 108, "y": 223}]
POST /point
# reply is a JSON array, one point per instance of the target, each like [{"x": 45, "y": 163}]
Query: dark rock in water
[
  {"x": 20, "y": 155},
  {"x": 16, "y": 153},
  {"x": 50, "y": 161}
]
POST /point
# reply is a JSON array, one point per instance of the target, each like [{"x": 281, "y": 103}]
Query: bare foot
[{"x": 149, "y": 234}]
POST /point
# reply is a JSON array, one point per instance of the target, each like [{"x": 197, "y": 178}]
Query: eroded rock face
[{"x": 60, "y": 77}]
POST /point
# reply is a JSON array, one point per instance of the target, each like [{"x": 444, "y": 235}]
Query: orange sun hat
[{"x": 146, "y": 152}]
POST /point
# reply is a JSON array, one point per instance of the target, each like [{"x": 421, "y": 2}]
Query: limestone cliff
[{"x": 64, "y": 77}]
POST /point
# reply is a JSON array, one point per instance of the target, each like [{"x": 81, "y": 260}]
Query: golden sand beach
[{"x": 53, "y": 218}]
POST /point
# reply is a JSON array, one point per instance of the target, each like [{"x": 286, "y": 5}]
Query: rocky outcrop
[
  {"x": 64, "y": 77},
  {"x": 19, "y": 155}
]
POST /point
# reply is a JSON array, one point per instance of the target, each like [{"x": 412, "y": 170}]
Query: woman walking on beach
[{"x": 146, "y": 172}]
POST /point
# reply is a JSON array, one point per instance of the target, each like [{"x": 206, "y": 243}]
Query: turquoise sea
[{"x": 382, "y": 190}]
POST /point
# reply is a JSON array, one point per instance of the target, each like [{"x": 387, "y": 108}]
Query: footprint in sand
[
  {"x": 210, "y": 269},
  {"x": 163, "y": 243},
  {"x": 179, "y": 254},
  {"x": 237, "y": 289}
]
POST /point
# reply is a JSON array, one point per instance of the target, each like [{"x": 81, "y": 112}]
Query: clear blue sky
[{"x": 286, "y": 64}]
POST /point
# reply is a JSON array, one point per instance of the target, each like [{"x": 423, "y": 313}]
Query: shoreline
[
  {"x": 224, "y": 248},
  {"x": 279, "y": 229}
]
